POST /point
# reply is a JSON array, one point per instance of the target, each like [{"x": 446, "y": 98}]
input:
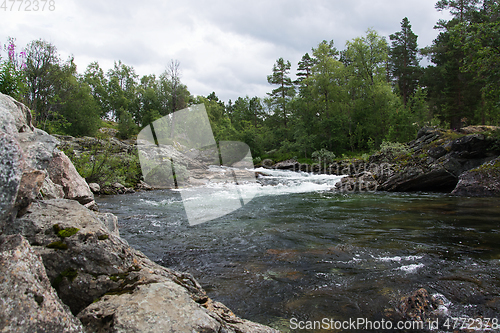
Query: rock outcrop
[
  {"x": 28, "y": 303},
  {"x": 61, "y": 261},
  {"x": 436, "y": 161},
  {"x": 41, "y": 153},
  {"x": 483, "y": 181}
]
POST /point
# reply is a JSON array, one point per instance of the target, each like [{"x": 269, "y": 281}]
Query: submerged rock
[
  {"x": 362, "y": 182},
  {"x": 287, "y": 165},
  {"x": 28, "y": 303}
]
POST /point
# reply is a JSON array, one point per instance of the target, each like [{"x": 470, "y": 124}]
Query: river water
[{"x": 299, "y": 250}]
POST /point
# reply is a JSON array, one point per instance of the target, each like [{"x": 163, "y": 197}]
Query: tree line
[{"x": 345, "y": 101}]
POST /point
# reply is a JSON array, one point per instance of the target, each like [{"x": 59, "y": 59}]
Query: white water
[{"x": 218, "y": 198}]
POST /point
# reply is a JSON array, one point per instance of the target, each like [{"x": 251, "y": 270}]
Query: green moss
[
  {"x": 120, "y": 291},
  {"x": 68, "y": 232},
  {"x": 423, "y": 156},
  {"x": 103, "y": 237},
  {"x": 452, "y": 135},
  {"x": 488, "y": 168},
  {"x": 64, "y": 232},
  {"x": 60, "y": 245}
]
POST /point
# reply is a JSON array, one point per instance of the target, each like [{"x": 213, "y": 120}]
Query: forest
[{"x": 345, "y": 101}]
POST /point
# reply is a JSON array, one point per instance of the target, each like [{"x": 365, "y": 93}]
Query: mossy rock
[
  {"x": 59, "y": 245},
  {"x": 67, "y": 232}
]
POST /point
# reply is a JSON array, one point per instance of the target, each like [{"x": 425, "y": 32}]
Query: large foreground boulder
[
  {"x": 28, "y": 303},
  {"x": 111, "y": 286}
]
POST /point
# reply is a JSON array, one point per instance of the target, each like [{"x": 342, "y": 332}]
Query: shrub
[
  {"x": 103, "y": 165},
  {"x": 394, "y": 148},
  {"x": 324, "y": 155}
]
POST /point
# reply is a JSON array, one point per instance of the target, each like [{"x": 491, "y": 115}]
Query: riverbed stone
[{"x": 28, "y": 303}]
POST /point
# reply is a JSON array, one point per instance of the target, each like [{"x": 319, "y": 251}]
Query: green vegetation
[
  {"x": 105, "y": 165},
  {"x": 347, "y": 102},
  {"x": 103, "y": 237},
  {"x": 67, "y": 232}
]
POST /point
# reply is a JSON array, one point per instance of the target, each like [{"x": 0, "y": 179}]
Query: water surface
[{"x": 299, "y": 250}]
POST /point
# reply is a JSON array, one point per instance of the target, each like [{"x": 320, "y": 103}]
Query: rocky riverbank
[
  {"x": 464, "y": 163},
  {"x": 65, "y": 267}
]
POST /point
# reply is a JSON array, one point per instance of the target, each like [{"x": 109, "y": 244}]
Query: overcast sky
[{"x": 224, "y": 46}]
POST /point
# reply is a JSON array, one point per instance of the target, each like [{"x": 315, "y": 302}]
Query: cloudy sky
[{"x": 224, "y": 46}]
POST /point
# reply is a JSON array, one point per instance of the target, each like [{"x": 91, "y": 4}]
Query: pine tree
[
  {"x": 282, "y": 95},
  {"x": 403, "y": 62}
]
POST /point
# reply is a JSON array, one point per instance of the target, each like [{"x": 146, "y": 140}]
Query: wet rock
[
  {"x": 11, "y": 163},
  {"x": 267, "y": 163},
  {"x": 483, "y": 181},
  {"x": 287, "y": 165},
  {"x": 419, "y": 306},
  {"x": 28, "y": 302},
  {"x": 436, "y": 160},
  {"x": 362, "y": 182}
]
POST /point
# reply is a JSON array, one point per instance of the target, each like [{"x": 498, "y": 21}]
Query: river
[{"x": 299, "y": 250}]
